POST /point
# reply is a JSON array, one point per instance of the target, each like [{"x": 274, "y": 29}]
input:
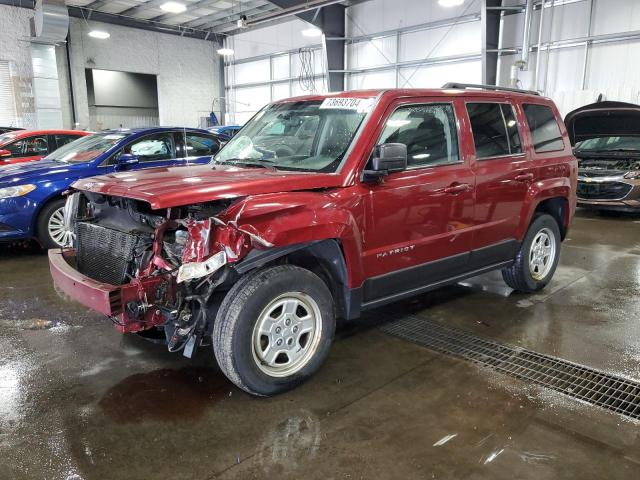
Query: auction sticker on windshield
[{"x": 358, "y": 104}]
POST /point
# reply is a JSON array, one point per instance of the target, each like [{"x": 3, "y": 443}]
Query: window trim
[
  {"x": 421, "y": 167},
  {"x": 555, "y": 119},
  {"x": 515, "y": 116},
  {"x": 181, "y": 143}
]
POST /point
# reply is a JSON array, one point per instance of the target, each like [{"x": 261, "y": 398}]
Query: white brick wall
[
  {"x": 186, "y": 69},
  {"x": 14, "y": 47}
]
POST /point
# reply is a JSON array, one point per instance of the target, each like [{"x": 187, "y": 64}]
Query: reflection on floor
[{"x": 80, "y": 401}]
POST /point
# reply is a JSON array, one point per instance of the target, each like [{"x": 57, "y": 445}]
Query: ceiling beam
[
  {"x": 117, "y": 19},
  {"x": 190, "y": 8},
  {"x": 142, "y": 6},
  {"x": 228, "y": 24},
  {"x": 247, "y": 8}
]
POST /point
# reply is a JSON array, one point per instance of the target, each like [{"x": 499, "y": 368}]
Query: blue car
[
  {"x": 31, "y": 200},
  {"x": 224, "y": 132}
]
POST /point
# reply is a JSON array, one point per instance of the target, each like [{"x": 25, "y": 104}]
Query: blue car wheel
[{"x": 50, "y": 229}]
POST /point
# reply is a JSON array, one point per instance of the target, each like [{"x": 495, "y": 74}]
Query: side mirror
[
  {"x": 388, "y": 158},
  {"x": 127, "y": 159},
  {"x": 5, "y": 153}
]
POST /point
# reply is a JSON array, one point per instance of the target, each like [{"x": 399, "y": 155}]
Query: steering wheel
[{"x": 284, "y": 151}]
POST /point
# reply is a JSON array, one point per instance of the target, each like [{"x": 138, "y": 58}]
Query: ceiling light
[
  {"x": 312, "y": 32},
  {"x": 450, "y": 3},
  {"x": 225, "y": 51},
  {"x": 99, "y": 34},
  {"x": 173, "y": 7}
]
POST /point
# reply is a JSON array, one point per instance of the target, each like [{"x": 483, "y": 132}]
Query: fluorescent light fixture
[
  {"x": 450, "y": 3},
  {"x": 227, "y": 52},
  {"x": 312, "y": 32},
  {"x": 99, "y": 34},
  {"x": 173, "y": 7}
]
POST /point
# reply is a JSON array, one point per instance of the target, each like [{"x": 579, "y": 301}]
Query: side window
[
  {"x": 64, "y": 139},
  {"x": 428, "y": 131},
  {"x": 545, "y": 131},
  {"x": 16, "y": 148},
  {"x": 153, "y": 147},
  {"x": 495, "y": 130},
  {"x": 200, "y": 145},
  {"x": 29, "y": 147}
]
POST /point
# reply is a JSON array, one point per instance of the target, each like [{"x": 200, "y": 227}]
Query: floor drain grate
[{"x": 617, "y": 394}]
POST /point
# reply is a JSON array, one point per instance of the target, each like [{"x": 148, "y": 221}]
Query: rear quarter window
[{"x": 545, "y": 132}]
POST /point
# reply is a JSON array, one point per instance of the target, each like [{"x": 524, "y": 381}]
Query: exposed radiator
[{"x": 105, "y": 254}]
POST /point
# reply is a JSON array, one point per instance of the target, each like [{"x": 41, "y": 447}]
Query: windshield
[
  {"x": 87, "y": 148},
  {"x": 308, "y": 136},
  {"x": 609, "y": 144}
]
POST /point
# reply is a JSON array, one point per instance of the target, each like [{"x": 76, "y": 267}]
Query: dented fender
[{"x": 269, "y": 221}]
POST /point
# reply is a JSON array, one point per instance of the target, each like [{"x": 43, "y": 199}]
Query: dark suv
[{"x": 322, "y": 207}]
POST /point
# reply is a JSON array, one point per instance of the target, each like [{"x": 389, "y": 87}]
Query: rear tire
[
  {"x": 51, "y": 224},
  {"x": 537, "y": 258},
  {"x": 274, "y": 329}
]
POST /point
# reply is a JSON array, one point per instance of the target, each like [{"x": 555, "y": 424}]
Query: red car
[
  {"x": 323, "y": 207},
  {"x": 23, "y": 146}
]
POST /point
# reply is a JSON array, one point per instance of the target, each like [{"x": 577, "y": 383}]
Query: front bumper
[
  {"x": 606, "y": 193},
  {"x": 16, "y": 217},
  {"x": 135, "y": 306},
  {"x": 98, "y": 296}
]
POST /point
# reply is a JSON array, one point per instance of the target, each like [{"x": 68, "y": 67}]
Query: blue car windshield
[{"x": 86, "y": 149}]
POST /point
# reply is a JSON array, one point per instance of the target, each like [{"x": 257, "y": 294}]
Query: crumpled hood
[
  {"x": 603, "y": 119},
  {"x": 38, "y": 172},
  {"x": 176, "y": 186}
]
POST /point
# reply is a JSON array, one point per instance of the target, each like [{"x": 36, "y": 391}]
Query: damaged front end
[{"x": 152, "y": 270}]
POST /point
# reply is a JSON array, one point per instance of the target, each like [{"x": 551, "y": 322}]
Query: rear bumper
[{"x": 102, "y": 297}]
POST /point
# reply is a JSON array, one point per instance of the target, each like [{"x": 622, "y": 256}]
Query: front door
[{"x": 418, "y": 225}]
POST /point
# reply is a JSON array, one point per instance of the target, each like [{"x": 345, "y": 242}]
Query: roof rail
[{"x": 464, "y": 86}]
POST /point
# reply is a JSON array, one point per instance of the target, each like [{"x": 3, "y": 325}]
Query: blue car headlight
[{"x": 17, "y": 191}]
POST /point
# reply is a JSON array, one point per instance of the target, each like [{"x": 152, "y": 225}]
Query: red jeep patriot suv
[{"x": 322, "y": 207}]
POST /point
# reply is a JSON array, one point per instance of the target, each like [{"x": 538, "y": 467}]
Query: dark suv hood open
[{"x": 603, "y": 119}]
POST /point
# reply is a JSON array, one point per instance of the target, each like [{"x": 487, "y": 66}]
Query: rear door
[
  {"x": 504, "y": 170},
  {"x": 418, "y": 226}
]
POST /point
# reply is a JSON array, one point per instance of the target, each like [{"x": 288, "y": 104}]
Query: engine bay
[
  {"x": 609, "y": 164},
  {"x": 122, "y": 241}
]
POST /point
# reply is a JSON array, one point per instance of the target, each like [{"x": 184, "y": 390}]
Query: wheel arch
[
  {"x": 558, "y": 208},
  {"x": 551, "y": 196},
  {"x": 325, "y": 258}
]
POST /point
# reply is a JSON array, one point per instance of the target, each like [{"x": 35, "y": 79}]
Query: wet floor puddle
[{"x": 165, "y": 395}]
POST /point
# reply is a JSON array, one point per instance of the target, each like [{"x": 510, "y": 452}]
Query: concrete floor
[{"x": 80, "y": 401}]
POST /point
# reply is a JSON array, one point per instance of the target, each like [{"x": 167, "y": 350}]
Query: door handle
[
  {"x": 524, "y": 177},
  {"x": 456, "y": 188}
]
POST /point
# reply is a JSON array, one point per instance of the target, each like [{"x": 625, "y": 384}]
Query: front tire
[
  {"x": 537, "y": 258},
  {"x": 274, "y": 329},
  {"x": 50, "y": 227}
]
